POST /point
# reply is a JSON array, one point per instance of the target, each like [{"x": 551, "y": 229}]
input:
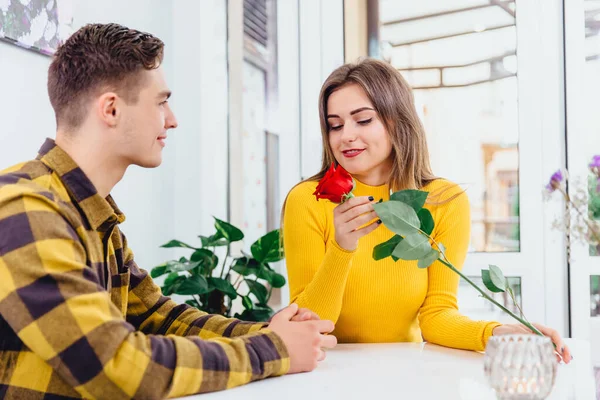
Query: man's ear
[{"x": 108, "y": 110}]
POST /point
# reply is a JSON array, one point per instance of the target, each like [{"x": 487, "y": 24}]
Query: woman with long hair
[{"x": 371, "y": 128}]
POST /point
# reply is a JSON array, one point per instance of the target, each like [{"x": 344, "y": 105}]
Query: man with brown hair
[{"x": 78, "y": 317}]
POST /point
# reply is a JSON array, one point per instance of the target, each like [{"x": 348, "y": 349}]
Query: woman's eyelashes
[{"x": 363, "y": 122}]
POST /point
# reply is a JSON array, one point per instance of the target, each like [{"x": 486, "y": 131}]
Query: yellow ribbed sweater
[{"x": 380, "y": 301}]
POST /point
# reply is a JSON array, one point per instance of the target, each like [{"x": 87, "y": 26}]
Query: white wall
[
  {"x": 177, "y": 199},
  {"x": 25, "y": 112}
]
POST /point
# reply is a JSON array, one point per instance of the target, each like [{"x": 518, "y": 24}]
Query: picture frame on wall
[{"x": 37, "y": 25}]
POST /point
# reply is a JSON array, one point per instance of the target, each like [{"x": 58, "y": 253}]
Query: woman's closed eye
[{"x": 363, "y": 122}]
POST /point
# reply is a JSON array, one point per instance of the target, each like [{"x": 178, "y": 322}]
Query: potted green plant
[{"x": 211, "y": 283}]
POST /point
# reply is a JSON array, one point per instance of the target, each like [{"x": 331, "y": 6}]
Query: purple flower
[{"x": 555, "y": 181}]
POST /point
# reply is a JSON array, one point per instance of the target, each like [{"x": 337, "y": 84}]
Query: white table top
[{"x": 406, "y": 371}]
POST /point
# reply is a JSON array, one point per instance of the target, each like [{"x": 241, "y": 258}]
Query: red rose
[{"x": 336, "y": 185}]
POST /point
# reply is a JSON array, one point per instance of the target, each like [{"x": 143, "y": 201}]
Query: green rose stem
[
  {"x": 346, "y": 197},
  {"x": 447, "y": 263}
]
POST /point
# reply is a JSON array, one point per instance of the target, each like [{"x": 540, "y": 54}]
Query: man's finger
[
  {"x": 322, "y": 356},
  {"x": 324, "y": 326},
  {"x": 328, "y": 341},
  {"x": 308, "y": 314},
  {"x": 287, "y": 313}
]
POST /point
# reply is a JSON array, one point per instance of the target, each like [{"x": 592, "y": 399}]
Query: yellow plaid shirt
[{"x": 79, "y": 318}]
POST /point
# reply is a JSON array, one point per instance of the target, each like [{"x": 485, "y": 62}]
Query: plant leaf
[
  {"x": 172, "y": 277},
  {"x": 224, "y": 286},
  {"x": 258, "y": 290},
  {"x": 498, "y": 277},
  {"x": 177, "y": 243},
  {"x": 414, "y": 247},
  {"x": 207, "y": 259},
  {"x": 178, "y": 266},
  {"x": 398, "y": 217},
  {"x": 486, "y": 277},
  {"x": 214, "y": 240},
  {"x": 275, "y": 279},
  {"x": 246, "y": 266},
  {"x": 267, "y": 248},
  {"x": 426, "y": 220},
  {"x": 385, "y": 249},
  {"x": 257, "y": 314},
  {"x": 193, "y": 285},
  {"x": 413, "y": 198},
  {"x": 247, "y": 302},
  {"x": 158, "y": 271},
  {"x": 172, "y": 283},
  {"x": 429, "y": 259},
  {"x": 229, "y": 232}
]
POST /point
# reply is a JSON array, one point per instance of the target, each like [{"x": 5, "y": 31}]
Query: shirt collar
[{"x": 100, "y": 212}]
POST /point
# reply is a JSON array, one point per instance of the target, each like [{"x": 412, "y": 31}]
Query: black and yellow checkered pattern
[{"x": 78, "y": 318}]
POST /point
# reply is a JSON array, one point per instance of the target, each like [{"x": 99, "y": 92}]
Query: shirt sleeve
[
  {"x": 441, "y": 322},
  {"x": 53, "y": 301}
]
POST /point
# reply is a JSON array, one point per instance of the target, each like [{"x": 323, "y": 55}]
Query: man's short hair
[{"x": 96, "y": 58}]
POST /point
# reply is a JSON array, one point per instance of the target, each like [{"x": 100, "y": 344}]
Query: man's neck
[{"x": 95, "y": 160}]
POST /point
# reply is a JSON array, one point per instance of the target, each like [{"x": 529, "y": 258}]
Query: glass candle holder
[{"x": 520, "y": 367}]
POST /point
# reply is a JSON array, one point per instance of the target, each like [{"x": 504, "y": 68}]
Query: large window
[{"x": 460, "y": 59}]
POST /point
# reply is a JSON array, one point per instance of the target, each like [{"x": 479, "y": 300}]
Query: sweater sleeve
[
  {"x": 439, "y": 318},
  {"x": 317, "y": 269}
]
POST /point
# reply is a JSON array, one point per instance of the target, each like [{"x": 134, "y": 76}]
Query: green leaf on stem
[
  {"x": 413, "y": 198},
  {"x": 398, "y": 217},
  {"x": 258, "y": 290},
  {"x": 385, "y": 249},
  {"x": 172, "y": 283},
  {"x": 214, "y": 240},
  {"x": 206, "y": 259},
  {"x": 177, "y": 243},
  {"x": 426, "y": 220},
  {"x": 224, "y": 286},
  {"x": 246, "y": 266},
  {"x": 494, "y": 280},
  {"x": 179, "y": 266},
  {"x": 429, "y": 259},
  {"x": 267, "y": 248},
  {"x": 256, "y": 314},
  {"x": 229, "y": 232},
  {"x": 193, "y": 285},
  {"x": 159, "y": 270},
  {"x": 275, "y": 279},
  {"x": 498, "y": 277},
  {"x": 247, "y": 302},
  {"x": 414, "y": 247}
]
